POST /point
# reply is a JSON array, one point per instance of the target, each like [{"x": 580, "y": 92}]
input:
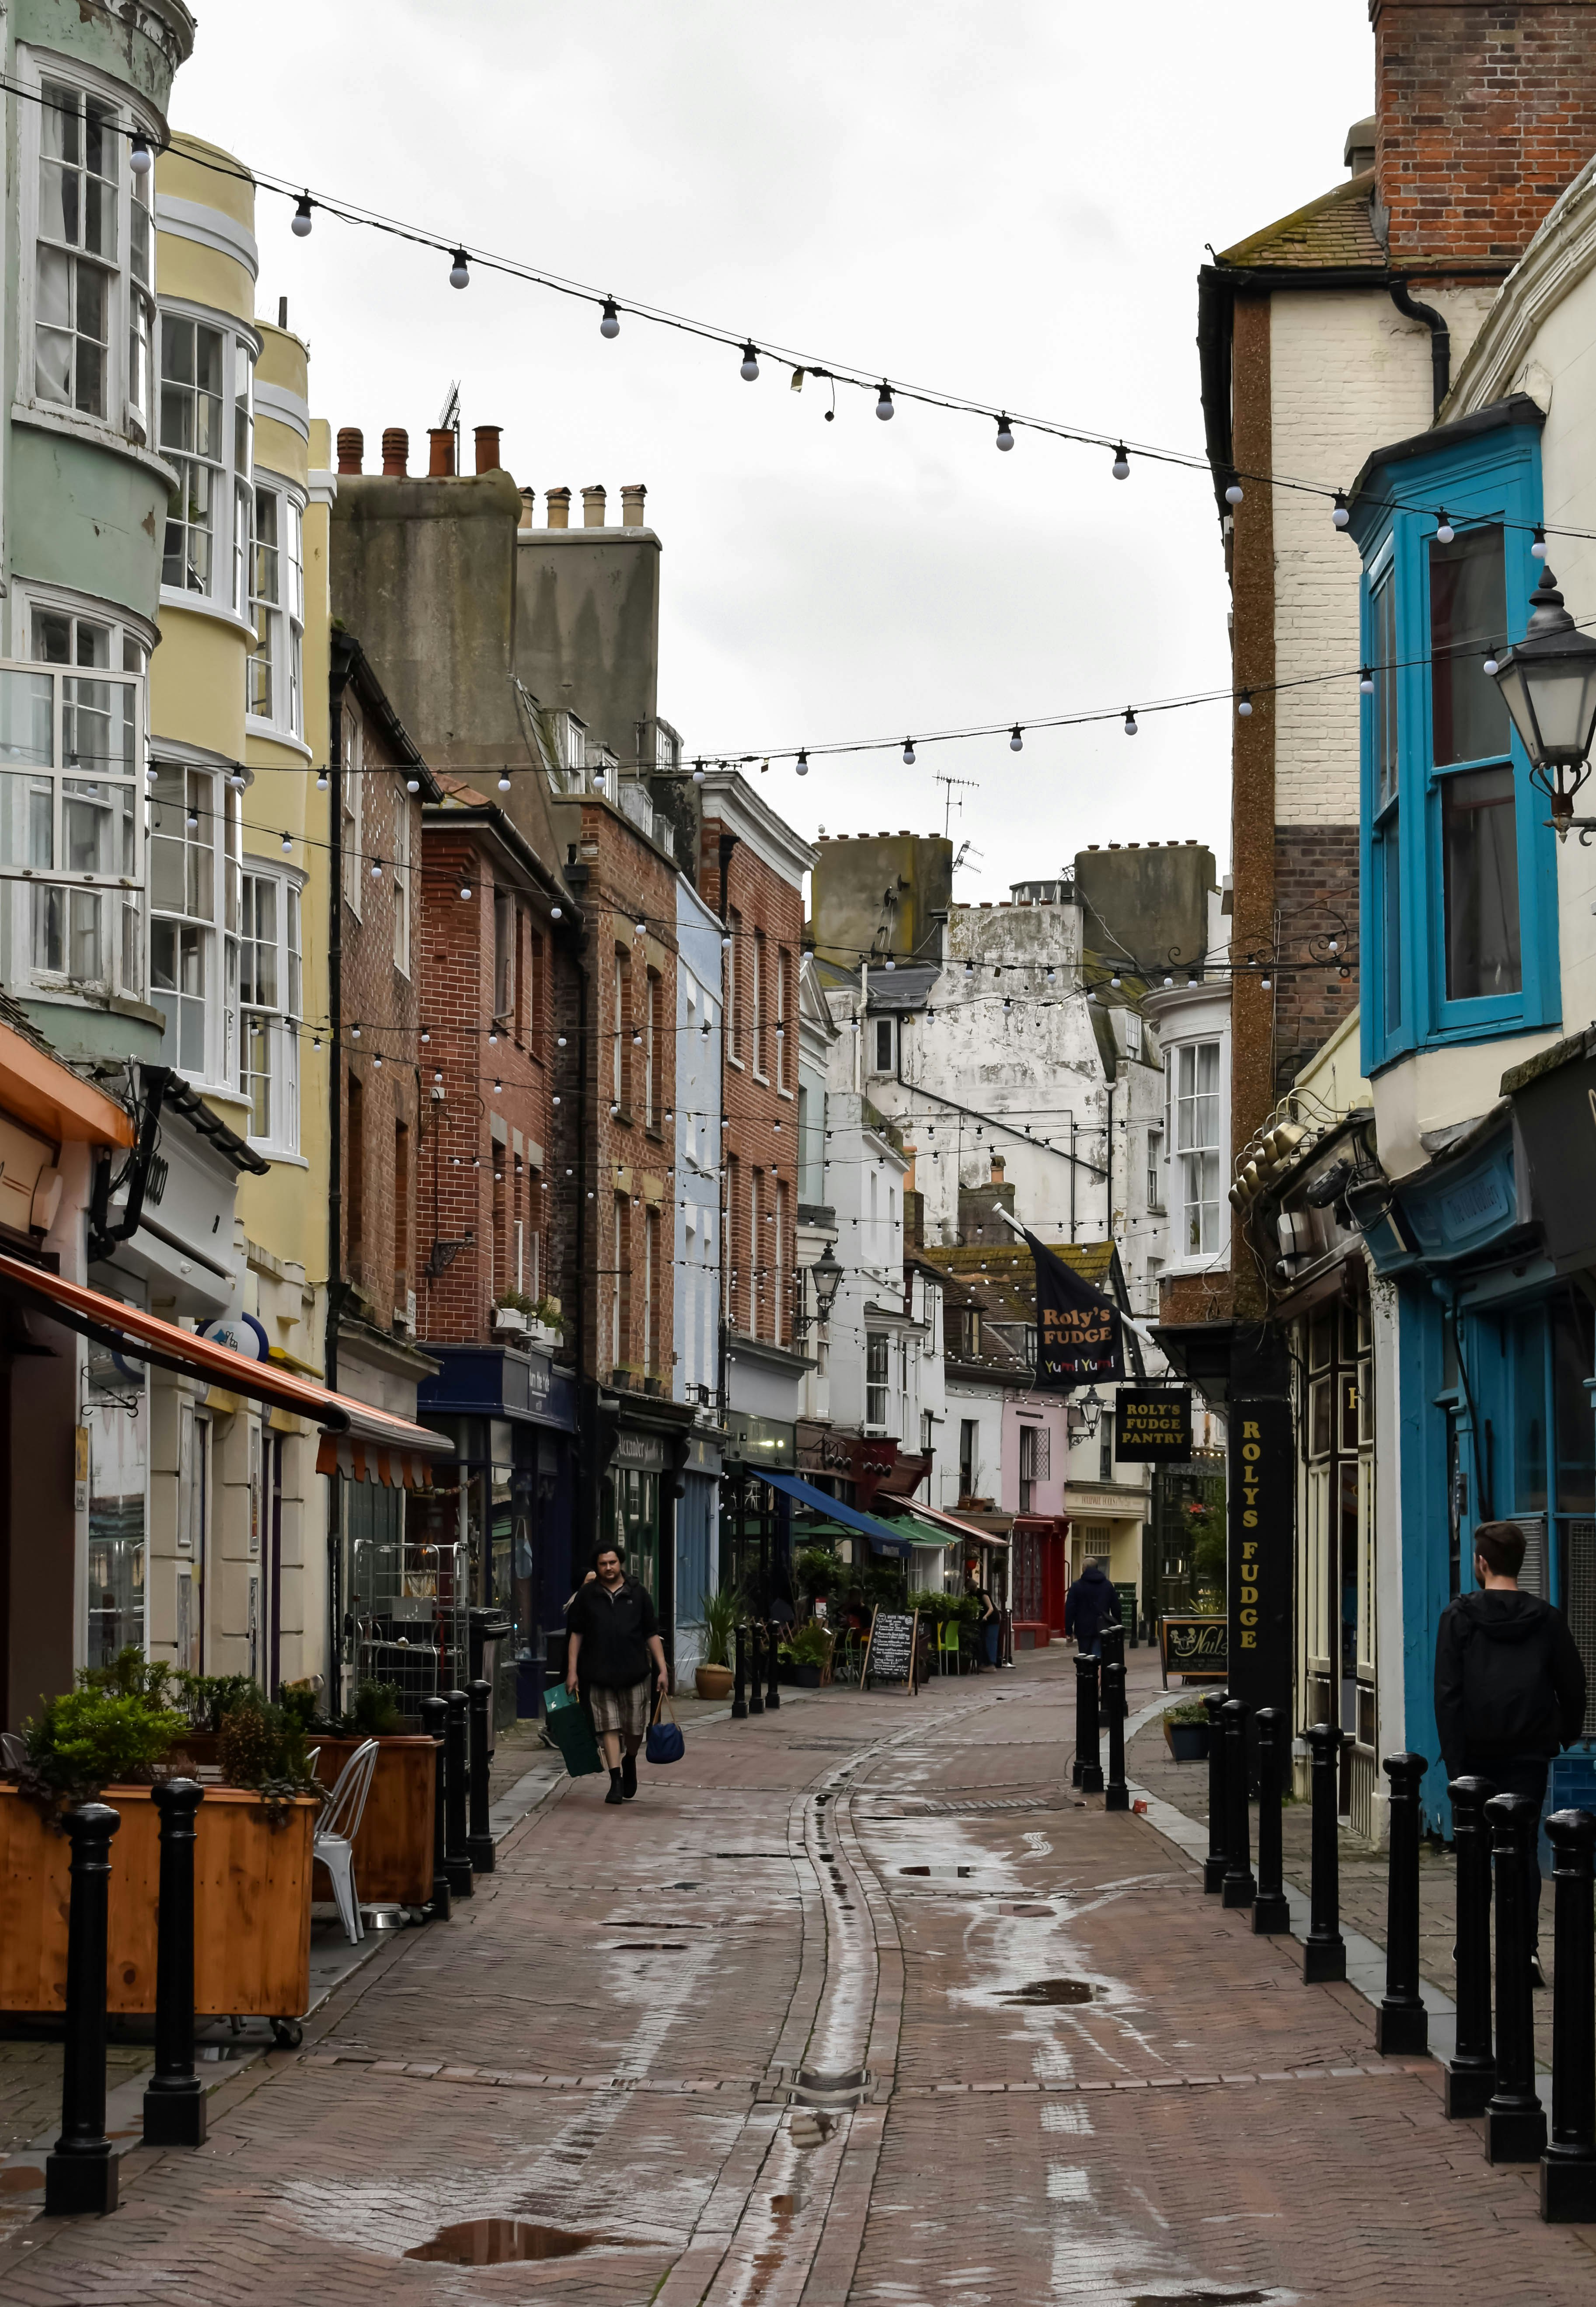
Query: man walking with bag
[
  {"x": 613, "y": 1636},
  {"x": 1510, "y": 1684},
  {"x": 1092, "y": 1603}
]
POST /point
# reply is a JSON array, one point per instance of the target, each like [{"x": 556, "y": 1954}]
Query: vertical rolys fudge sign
[{"x": 1261, "y": 1497}]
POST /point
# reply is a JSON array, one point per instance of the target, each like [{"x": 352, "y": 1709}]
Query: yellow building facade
[{"x": 238, "y": 854}]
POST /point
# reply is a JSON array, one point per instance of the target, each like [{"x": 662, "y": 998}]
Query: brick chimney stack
[
  {"x": 395, "y": 452},
  {"x": 440, "y": 447},
  {"x": 351, "y": 449},
  {"x": 1484, "y": 114},
  {"x": 486, "y": 437}
]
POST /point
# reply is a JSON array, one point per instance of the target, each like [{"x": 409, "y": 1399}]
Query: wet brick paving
[{"x": 1086, "y": 2081}]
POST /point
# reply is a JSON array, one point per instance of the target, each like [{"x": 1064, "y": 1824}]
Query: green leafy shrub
[
  {"x": 206, "y": 1698},
  {"x": 1190, "y": 1710},
  {"x": 263, "y": 1747},
  {"x": 300, "y": 1703},
  {"x": 377, "y": 1711},
  {"x": 817, "y": 1571},
  {"x": 133, "y": 1675},
  {"x": 807, "y": 1645},
  {"x": 87, "y": 1739},
  {"x": 721, "y": 1611}
]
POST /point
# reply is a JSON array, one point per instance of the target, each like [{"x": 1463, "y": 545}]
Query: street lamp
[
  {"x": 1548, "y": 681},
  {"x": 1089, "y": 1409},
  {"x": 826, "y": 1274}
]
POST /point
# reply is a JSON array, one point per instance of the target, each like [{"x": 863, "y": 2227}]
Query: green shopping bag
[{"x": 571, "y": 1726}]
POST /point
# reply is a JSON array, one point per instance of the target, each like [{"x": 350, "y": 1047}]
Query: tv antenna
[
  {"x": 449, "y": 418},
  {"x": 942, "y": 778}
]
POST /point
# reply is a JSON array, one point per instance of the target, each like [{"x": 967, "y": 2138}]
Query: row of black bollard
[
  {"x": 479, "y": 1840},
  {"x": 1114, "y": 1709},
  {"x": 755, "y": 1685},
  {"x": 1088, "y": 1773}
]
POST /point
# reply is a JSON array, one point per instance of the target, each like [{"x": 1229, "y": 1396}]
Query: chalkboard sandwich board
[
  {"x": 891, "y": 1649},
  {"x": 1196, "y": 1647}
]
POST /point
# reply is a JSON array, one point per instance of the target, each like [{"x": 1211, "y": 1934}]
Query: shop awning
[
  {"x": 382, "y": 1447},
  {"x": 921, "y": 1533},
  {"x": 970, "y": 1532},
  {"x": 884, "y": 1538}
]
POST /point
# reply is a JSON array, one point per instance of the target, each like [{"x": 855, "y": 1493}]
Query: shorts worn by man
[{"x": 614, "y": 1656}]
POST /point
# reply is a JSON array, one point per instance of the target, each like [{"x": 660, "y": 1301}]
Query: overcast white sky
[{"x": 1008, "y": 201}]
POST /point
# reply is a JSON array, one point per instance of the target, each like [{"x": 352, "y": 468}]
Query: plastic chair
[
  {"x": 947, "y": 1647},
  {"x": 333, "y": 1841}
]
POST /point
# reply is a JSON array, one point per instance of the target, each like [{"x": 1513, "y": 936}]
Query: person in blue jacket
[{"x": 1092, "y": 1603}]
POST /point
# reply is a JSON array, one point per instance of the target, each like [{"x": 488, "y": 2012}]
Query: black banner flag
[{"x": 1079, "y": 1337}]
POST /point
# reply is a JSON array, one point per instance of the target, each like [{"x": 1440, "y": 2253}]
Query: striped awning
[{"x": 359, "y": 1460}]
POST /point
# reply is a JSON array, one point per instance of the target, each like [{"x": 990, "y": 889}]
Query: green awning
[{"x": 921, "y": 1533}]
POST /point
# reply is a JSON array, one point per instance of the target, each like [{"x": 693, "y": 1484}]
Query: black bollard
[
  {"x": 81, "y": 2175},
  {"x": 1216, "y": 1863},
  {"x": 772, "y": 1691},
  {"x": 435, "y": 1721},
  {"x": 479, "y": 1841},
  {"x": 1471, "y": 2073},
  {"x": 1568, "y": 2167},
  {"x": 1515, "y": 2119},
  {"x": 1086, "y": 1754},
  {"x": 175, "y": 2097},
  {"x": 457, "y": 1858},
  {"x": 1270, "y": 1912},
  {"x": 756, "y": 1670},
  {"x": 1324, "y": 1952},
  {"x": 1402, "y": 2023},
  {"x": 1116, "y": 1793},
  {"x": 739, "y": 1694},
  {"x": 1239, "y": 1888}
]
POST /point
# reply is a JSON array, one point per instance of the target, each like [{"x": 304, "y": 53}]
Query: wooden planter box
[
  {"x": 1188, "y": 1742},
  {"x": 251, "y": 1906},
  {"x": 393, "y": 1850}
]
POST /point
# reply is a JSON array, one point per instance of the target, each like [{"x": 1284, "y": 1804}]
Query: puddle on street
[
  {"x": 489, "y": 2243},
  {"x": 21, "y": 2179},
  {"x": 1052, "y": 1991},
  {"x": 1200, "y": 2298},
  {"x": 950, "y": 1870}
]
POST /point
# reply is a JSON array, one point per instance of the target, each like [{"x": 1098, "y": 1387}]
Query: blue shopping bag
[{"x": 665, "y": 1742}]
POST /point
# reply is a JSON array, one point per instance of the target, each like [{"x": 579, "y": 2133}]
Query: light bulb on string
[
  {"x": 459, "y": 272},
  {"x": 1005, "y": 433},
  {"x": 376, "y": 871},
  {"x": 194, "y": 815},
  {"x": 1538, "y": 548},
  {"x": 556, "y": 913},
  {"x": 1234, "y": 492},
  {"x": 504, "y": 781},
  {"x": 1016, "y": 743},
  {"x": 140, "y": 159},
  {"x": 1365, "y": 683},
  {"x": 466, "y": 890},
  {"x": 322, "y": 781},
  {"x": 884, "y": 403},
  {"x": 1445, "y": 532},
  {"x": 908, "y": 752},
  {"x": 1338, "y": 511},
  {"x": 1121, "y": 463},
  {"x": 698, "y": 773},
  {"x": 750, "y": 364},
  {"x": 353, "y": 1033},
  {"x": 300, "y": 223},
  {"x": 610, "y": 326},
  {"x": 1130, "y": 721},
  {"x": 377, "y": 1060},
  {"x": 236, "y": 779},
  {"x": 412, "y": 785},
  {"x": 1244, "y": 705},
  {"x": 1490, "y": 662},
  {"x": 801, "y": 764},
  {"x": 287, "y": 845}
]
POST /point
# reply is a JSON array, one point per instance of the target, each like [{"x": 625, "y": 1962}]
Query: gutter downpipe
[
  {"x": 1440, "y": 339},
  {"x": 341, "y": 662}
]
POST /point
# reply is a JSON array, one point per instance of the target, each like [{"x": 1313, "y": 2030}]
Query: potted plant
[
  {"x": 546, "y": 1325},
  {"x": 804, "y": 1656},
  {"x": 1186, "y": 1731},
  {"x": 512, "y": 1312},
  {"x": 721, "y": 1609}
]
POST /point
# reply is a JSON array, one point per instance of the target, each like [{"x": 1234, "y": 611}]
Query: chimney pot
[
  {"x": 395, "y": 452},
  {"x": 633, "y": 516},
  {"x": 557, "y": 503},
  {"x": 351, "y": 449},
  {"x": 997, "y": 1168},
  {"x": 528, "y": 497},
  {"x": 593, "y": 504},
  {"x": 486, "y": 437},
  {"x": 440, "y": 447}
]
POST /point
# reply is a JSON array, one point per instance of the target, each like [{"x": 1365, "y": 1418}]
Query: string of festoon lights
[{"x": 752, "y": 353}]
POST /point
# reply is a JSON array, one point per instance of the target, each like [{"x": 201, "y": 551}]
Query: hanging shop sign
[
  {"x": 1078, "y": 1328},
  {"x": 1262, "y": 1493},
  {"x": 1152, "y": 1425}
]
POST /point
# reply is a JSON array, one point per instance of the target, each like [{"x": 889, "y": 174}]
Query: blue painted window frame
[{"x": 1490, "y": 476}]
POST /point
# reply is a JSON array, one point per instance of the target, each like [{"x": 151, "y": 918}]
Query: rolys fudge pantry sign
[{"x": 1259, "y": 1581}]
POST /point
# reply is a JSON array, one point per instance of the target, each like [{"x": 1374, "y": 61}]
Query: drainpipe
[
  {"x": 1440, "y": 341},
  {"x": 336, "y": 1613}
]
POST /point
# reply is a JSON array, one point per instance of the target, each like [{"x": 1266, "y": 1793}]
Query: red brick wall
[
  {"x": 382, "y": 1003},
  {"x": 761, "y": 1086},
  {"x": 1486, "y": 112},
  {"x": 469, "y": 1181},
  {"x": 625, "y": 882},
  {"x": 1316, "y": 893}
]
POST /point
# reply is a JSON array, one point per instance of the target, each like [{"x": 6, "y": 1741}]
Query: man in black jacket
[
  {"x": 1092, "y": 1603},
  {"x": 1510, "y": 1684},
  {"x": 613, "y": 1638}
]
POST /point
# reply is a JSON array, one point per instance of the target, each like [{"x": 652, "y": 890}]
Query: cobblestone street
[{"x": 1083, "y": 2081}]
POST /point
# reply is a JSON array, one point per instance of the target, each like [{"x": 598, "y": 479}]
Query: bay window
[
  {"x": 92, "y": 245},
  {"x": 71, "y": 749},
  {"x": 1193, "y": 1088},
  {"x": 277, "y": 611},
  {"x": 195, "y": 866},
  {"x": 1460, "y": 883},
  {"x": 270, "y": 999},
  {"x": 205, "y": 434}
]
